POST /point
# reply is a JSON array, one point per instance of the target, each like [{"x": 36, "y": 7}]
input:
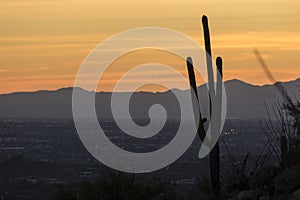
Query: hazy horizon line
[{"x": 200, "y": 85}]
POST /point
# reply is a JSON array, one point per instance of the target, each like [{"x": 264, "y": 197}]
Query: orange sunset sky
[{"x": 43, "y": 42}]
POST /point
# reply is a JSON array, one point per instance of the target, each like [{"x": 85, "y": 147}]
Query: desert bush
[
  {"x": 201, "y": 190},
  {"x": 118, "y": 186}
]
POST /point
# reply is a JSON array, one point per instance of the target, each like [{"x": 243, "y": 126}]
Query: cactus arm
[{"x": 195, "y": 99}]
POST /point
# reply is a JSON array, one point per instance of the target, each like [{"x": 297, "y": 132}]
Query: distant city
[{"x": 38, "y": 155}]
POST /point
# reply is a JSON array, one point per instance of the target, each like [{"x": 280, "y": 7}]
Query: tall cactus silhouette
[{"x": 214, "y": 155}]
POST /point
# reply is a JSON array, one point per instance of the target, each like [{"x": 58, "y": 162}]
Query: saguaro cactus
[{"x": 217, "y": 101}]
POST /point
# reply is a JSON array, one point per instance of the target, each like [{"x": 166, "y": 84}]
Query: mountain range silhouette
[{"x": 244, "y": 101}]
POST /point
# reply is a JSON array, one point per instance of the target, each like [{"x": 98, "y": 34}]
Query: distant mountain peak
[
  {"x": 69, "y": 89},
  {"x": 237, "y": 81}
]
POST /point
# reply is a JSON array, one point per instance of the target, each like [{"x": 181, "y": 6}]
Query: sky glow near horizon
[{"x": 43, "y": 43}]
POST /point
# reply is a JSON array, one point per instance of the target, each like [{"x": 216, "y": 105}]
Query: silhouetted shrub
[
  {"x": 118, "y": 186},
  {"x": 202, "y": 190}
]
